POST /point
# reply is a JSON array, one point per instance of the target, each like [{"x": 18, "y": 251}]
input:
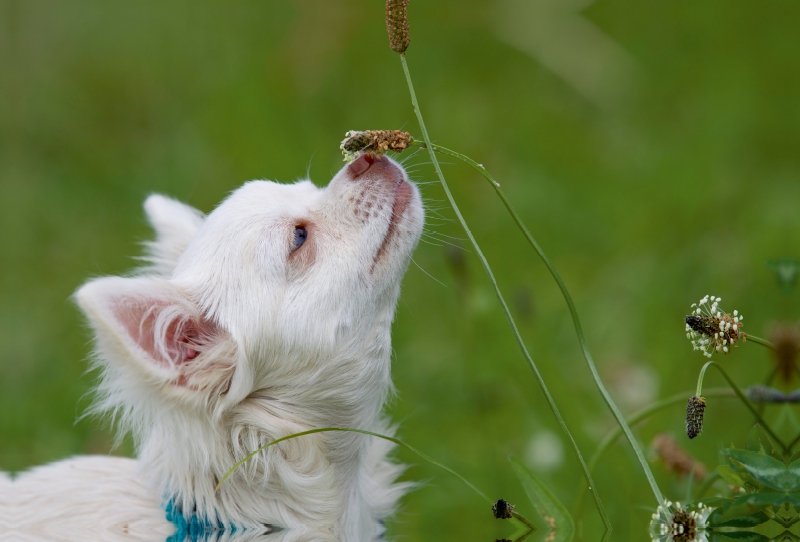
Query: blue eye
[{"x": 300, "y": 236}]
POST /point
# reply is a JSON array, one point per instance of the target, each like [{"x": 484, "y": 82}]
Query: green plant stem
[
  {"x": 524, "y": 520},
  {"x": 741, "y": 396},
  {"x": 649, "y": 411},
  {"x": 363, "y": 432},
  {"x": 762, "y": 342},
  {"x": 573, "y": 311},
  {"x": 506, "y": 311},
  {"x": 635, "y": 418}
]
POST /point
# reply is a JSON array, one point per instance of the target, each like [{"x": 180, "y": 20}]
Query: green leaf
[
  {"x": 744, "y": 510},
  {"x": 758, "y": 441},
  {"x": 766, "y": 470},
  {"x": 794, "y": 468},
  {"x": 546, "y": 504},
  {"x": 726, "y": 473},
  {"x": 750, "y": 483},
  {"x": 741, "y": 536},
  {"x": 742, "y": 521}
]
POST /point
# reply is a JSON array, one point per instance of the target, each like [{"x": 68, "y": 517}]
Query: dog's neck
[{"x": 185, "y": 455}]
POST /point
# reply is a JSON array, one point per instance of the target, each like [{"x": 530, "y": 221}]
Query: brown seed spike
[
  {"x": 397, "y": 25},
  {"x": 695, "y": 412}
]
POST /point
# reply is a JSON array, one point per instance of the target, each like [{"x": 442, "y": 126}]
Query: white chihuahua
[{"x": 268, "y": 317}]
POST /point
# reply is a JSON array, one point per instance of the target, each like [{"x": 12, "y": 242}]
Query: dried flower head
[
  {"x": 397, "y": 25},
  {"x": 676, "y": 459},
  {"x": 375, "y": 141},
  {"x": 711, "y": 329},
  {"x": 786, "y": 339},
  {"x": 502, "y": 509},
  {"x": 673, "y": 523},
  {"x": 695, "y": 411}
]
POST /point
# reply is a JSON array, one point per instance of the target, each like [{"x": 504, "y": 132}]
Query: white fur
[{"x": 229, "y": 340}]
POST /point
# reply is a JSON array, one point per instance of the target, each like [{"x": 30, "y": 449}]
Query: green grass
[{"x": 683, "y": 186}]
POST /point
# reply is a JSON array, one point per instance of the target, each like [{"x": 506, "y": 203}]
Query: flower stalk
[
  {"x": 635, "y": 418},
  {"x": 742, "y": 397},
  {"x": 570, "y": 305},
  {"x": 550, "y": 401}
]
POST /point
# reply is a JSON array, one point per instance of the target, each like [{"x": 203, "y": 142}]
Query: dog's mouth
[
  {"x": 403, "y": 193},
  {"x": 384, "y": 184}
]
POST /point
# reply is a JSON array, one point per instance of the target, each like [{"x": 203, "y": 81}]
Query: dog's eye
[{"x": 300, "y": 236}]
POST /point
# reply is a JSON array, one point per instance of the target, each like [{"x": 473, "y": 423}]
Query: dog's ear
[
  {"x": 146, "y": 325},
  {"x": 175, "y": 224}
]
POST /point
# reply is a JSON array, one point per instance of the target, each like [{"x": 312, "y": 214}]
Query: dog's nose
[{"x": 360, "y": 165}]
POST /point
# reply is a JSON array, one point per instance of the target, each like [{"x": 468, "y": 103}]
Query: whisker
[
  {"x": 430, "y": 243},
  {"x": 308, "y": 166},
  {"x": 431, "y": 276},
  {"x": 420, "y": 164},
  {"x": 431, "y": 232},
  {"x": 436, "y": 209},
  {"x": 440, "y": 204},
  {"x": 444, "y": 242},
  {"x": 429, "y": 225},
  {"x": 439, "y": 215},
  {"x": 402, "y": 161}
]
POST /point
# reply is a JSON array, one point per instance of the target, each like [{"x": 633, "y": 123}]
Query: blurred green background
[{"x": 652, "y": 148}]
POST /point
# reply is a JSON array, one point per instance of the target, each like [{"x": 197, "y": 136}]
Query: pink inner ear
[
  {"x": 167, "y": 333},
  {"x": 187, "y": 340}
]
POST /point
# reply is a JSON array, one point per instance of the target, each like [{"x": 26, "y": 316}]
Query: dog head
[{"x": 284, "y": 288}]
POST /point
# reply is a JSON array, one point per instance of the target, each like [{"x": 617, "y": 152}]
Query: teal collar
[
  {"x": 196, "y": 529},
  {"x": 193, "y": 528}
]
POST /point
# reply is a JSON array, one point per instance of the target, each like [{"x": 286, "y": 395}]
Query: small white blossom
[
  {"x": 710, "y": 329},
  {"x": 673, "y": 523}
]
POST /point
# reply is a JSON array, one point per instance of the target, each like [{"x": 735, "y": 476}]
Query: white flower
[
  {"x": 710, "y": 329},
  {"x": 673, "y": 523}
]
